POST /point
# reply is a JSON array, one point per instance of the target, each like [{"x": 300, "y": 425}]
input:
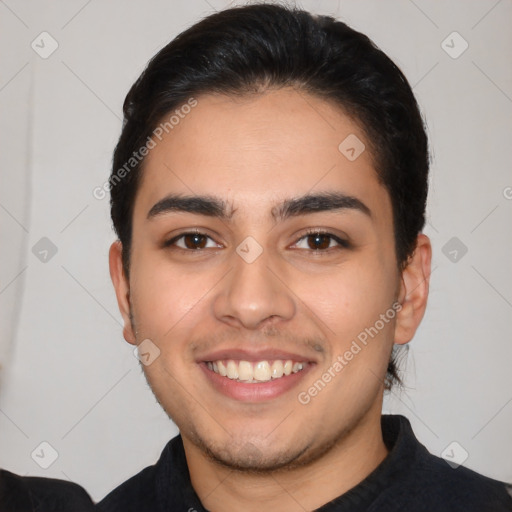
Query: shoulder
[
  {"x": 462, "y": 489},
  {"x": 141, "y": 491},
  {"x": 27, "y": 494},
  {"x": 137, "y": 490},
  {"x": 427, "y": 482}
]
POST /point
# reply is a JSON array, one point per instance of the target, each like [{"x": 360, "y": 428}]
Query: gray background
[{"x": 67, "y": 376}]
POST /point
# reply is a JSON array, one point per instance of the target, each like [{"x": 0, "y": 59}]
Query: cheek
[
  {"x": 349, "y": 305},
  {"x": 350, "y": 299},
  {"x": 164, "y": 299},
  {"x": 167, "y": 305}
]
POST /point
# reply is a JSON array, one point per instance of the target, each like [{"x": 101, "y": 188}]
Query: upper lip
[{"x": 253, "y": 355}]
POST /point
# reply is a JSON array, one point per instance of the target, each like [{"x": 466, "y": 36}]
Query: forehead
[{"x": 257, "y": 150}]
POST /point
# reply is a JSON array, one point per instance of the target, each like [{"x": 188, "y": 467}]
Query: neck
[{"x": 309, "y": 487}]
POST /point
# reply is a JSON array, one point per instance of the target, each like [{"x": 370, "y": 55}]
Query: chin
[
  {"x": 260, "y": 454},
  {"x": 251, "y": 459}
]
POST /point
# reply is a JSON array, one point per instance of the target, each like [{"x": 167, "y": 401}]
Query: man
[{"x": 268, "y": 191}]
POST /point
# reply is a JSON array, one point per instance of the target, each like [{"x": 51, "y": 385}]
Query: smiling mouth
[{"x": 255, "y": 372}]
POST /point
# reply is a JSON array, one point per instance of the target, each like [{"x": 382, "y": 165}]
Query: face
[{"x": 261, "y": 256}]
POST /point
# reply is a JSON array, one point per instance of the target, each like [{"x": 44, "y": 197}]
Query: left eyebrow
[
  {"x": 322, "y": 202},
  {"x": 294, "y": 207}
]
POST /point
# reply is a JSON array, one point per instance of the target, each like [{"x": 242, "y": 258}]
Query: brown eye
[
  {"x": 194, "y": 241},
  {"x": 319, "y": 241}
]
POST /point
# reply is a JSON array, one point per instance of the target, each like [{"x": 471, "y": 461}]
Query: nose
[{"x": 253, "y": 294}]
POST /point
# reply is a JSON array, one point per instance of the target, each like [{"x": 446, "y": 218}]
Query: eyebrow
[{"x": 215, "y": 207}]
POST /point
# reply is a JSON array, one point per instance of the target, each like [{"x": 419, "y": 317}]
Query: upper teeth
[{"x": 260, "y": 371}]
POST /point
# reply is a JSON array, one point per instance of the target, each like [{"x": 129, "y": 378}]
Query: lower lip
[{"x": 256, "y": 392}]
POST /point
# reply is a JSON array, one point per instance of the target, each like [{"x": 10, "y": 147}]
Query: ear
[
  {"x": 413, "y": 293},
  {"x": 122, "y": 289}
]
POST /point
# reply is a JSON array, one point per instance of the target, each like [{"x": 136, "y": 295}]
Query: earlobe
[
  {"x": 122, "y": 289},
  {"x": 414, "y": 289}
]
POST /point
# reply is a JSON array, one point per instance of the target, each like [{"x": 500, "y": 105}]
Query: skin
[{"x": 255, "y": 152}]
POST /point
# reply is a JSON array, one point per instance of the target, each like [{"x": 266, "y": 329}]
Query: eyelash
[{"x": 342, "y": 244}]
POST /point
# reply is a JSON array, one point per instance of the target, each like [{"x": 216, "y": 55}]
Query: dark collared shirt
[{"x": 409, "y": 479}]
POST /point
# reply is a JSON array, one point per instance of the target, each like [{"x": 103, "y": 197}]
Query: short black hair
[{"x": 259, "y": 47}]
